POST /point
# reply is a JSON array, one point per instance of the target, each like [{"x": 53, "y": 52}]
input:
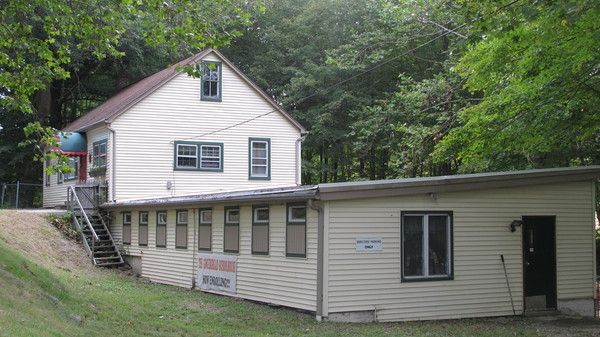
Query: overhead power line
[{"x": 446, "y": 31}]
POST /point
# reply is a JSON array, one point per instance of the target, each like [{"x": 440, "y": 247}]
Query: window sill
[
  {"x": 299, "y": 256},
  {"x": 259, "y": 178},
  {"x": 210, "y": 99},
  {"x": 427, "y": 279}
]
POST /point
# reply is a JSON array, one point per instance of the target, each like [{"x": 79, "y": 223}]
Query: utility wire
[{"x": 322, "y": 90}]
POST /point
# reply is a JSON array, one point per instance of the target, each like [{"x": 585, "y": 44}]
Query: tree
[
  {"x": 44, "y": 42},
  {"x": 536, "y": 66}
]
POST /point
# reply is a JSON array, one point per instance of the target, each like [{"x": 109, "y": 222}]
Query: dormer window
[{"x": 211, "y": 81}]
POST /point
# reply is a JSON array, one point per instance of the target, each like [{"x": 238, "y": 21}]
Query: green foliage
[
  {"x": 64, "y": 223},
  {"x": 39, "y": 38},
  {"x": 537, "y": 69}
]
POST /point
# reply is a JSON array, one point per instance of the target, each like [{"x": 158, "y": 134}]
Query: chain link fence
[{"x": 20, "y": 195}]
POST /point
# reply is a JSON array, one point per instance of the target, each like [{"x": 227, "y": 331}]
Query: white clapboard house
[{"x": 195, "y": 183}]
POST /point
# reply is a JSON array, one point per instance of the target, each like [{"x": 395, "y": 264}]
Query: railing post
[{"x": 17, "y": 196}]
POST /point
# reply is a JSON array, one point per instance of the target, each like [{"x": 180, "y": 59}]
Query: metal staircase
[{"x": 83, "y": 202}]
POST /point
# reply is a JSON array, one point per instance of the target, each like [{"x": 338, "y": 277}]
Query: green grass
[{"x": 35, "y": 301}]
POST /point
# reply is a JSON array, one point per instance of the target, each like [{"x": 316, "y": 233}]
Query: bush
[{"x": 64, "y": 223}]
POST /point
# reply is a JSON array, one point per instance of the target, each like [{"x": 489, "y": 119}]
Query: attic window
[{"x": 211, "y": 81}]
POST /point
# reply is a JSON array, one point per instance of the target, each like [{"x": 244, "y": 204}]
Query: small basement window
[
  {"x": 259, "y": 158},
  {"x": 231, "y": 240},
  {"x": 126, "y": 228},
  {"x": 143, "y": 229},
  {"x": 205, "y": 230},
  {"x": 295, "y": 236},
  {"x": 260, "y": 230},
  {"x": 161, "y": 229},
  {"x": 181, "y": 229},
  {"x": 211, "y": 81},
  {"x": 426, "y": 246}
]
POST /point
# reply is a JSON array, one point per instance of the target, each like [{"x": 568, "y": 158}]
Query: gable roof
[{"x": 132, "y": 94}]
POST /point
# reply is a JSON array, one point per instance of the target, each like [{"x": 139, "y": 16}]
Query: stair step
[
  {"x": 109, "y": 258},
  {"x": 109, "y": 264},
  {"x": 105, "y": 252}
]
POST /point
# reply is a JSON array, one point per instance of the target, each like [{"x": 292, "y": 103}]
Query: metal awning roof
[
  {"x": 380, "y": 188},
  {"x": 293, "y": 193},
  {"x": 72, "y": 143},
  {"x": 461, "y": 182}
]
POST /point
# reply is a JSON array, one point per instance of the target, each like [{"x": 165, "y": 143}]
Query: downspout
[
  {"x": 317, "y": 206},
  {"x": 112, "y": 161},
  {"x": 194, "y": 248},
  {"x": 299, "y": 140}
]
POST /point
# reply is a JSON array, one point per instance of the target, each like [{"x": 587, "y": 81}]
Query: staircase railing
[{"x": 75, "y": 205}]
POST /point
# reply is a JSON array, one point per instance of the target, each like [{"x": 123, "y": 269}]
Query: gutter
[
  {"x": 317, "y": 206},
  {"x": 112, "y": 160}
]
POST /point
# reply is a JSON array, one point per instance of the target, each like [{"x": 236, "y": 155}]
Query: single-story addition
[{"x": 489, "y": 244}]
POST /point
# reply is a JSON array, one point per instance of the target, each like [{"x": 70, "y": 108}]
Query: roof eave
[
  {"x": 286, "y": 196},
  {"x": 449, "y": 184}
]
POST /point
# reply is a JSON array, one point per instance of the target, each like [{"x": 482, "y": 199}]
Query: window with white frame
[
  {"x": 260, "y": 230},
  {"x": 187, "y": 156},
  {"x": 205, "y": 230},
  {"x": 211, "y": 157},
  {"x": 259, "y": 158},
  {"x": 426, "y": 245},
  {"x": 200, "y": 156}
]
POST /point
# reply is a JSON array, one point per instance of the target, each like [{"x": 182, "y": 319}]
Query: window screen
[
  {"x": 295, "y": 236},
  {"x": 232, "y": 230},
  {"x": 161, "y": 229},
  {"x": 260, "y": 230},
  {"x": 210, "y": 157},
  {"x": 426, "y": 245}
]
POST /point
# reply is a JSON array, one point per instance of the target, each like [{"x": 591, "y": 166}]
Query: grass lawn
[{"x": 36, "y": 301}]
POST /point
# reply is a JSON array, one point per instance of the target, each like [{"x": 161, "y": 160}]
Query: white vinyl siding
[
  {"x": 481, "y": 219},
  {"x": 54, "y": 194},
  {"x": 146, "y": 134},
  {"x": 274, "y": 278}
]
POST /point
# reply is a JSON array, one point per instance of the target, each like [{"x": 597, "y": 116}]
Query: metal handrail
[
  {"x": 87, "y": 220},
  {"x": 72, "y": 196}
]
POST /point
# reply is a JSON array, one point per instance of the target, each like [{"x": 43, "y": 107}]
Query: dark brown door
[{"x": 539, "y": 259}]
